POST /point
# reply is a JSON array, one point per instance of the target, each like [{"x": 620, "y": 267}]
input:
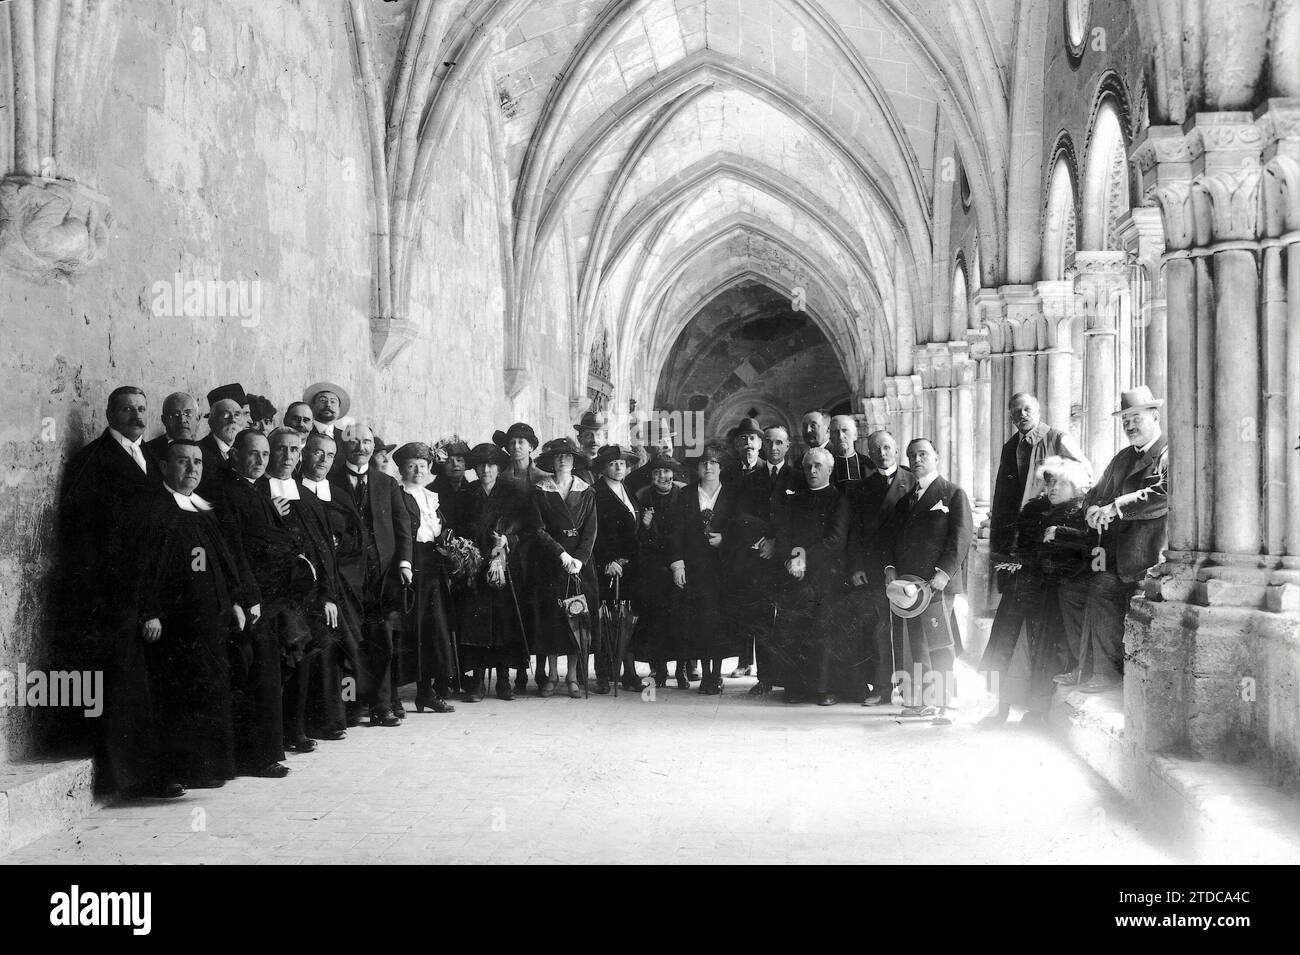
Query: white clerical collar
[
  {"x": 286, "y": 488},
  {"x": 189, "y": 502},
  {"x": 320, "y": 488},
  {"x": 926, "y": 481}
]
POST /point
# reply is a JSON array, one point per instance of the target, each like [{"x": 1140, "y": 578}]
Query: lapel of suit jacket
[
  {"x": 1144, "y": 460},
  {"x": 893, "y": 493},
  {"x": 931, "y": 494}
]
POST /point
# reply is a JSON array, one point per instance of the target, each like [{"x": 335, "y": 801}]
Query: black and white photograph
[{"x": 640, "y": 432}]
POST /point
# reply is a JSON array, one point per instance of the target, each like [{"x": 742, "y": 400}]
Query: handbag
[{"x": 573, "y": 605}]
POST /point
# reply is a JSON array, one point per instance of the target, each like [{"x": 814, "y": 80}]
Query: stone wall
[{"x": 232, "y": 148}]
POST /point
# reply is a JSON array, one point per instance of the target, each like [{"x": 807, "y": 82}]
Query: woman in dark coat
[
  {"x": 1051, "y": 561},
  {"x": 519, "y": 442},
  {"x": 190, "y": 599},
  {"x": 660, "y": 633},
  {"x": 496, "y": 516},
  {"x": 426, "y": 654},
  {"x": 565, "y": 533},
  {"x": 616, "y": 555},
  {"x": 706, "y": 512}
]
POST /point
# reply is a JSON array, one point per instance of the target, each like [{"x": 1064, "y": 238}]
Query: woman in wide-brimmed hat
[
  {"x": 519, "y": 442},
  {"x": 707, "y": 512},
  {"x": 660, "y": 633},
  {"x": 565, "y": 533},
  {"x": 425, "y": 654},
  {"x": 491, "y": 631},
  {"x": 616, "y": 554}
]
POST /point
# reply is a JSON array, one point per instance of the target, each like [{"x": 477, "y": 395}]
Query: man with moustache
[
  {"x": 932, "y": 544},
  {"x": 301, "y": 659},
  {"x": 108, "y": 490},
  {"x": 748, "y": 558},
  {"x": 380, "y": 569},
  {"x": 190, "y": 604},
  {"x": 299, "y": 417},
  {"x": 329, "y": 404},
  {"x": 180, "y": 418},
  {"x": 781, "y": 484},
  {"x": 849, "y": 466},
  {"x": 1128, "y": 506},
  {"x": 871, "y": 549},
  {"x": 227, "y": 416},
  {"x": 815, "y": 428}
]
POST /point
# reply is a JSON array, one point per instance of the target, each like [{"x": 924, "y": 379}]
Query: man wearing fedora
[
  {"x": 643, "y": 476},
  {"x": 1128, "y": 507},
  {"x": 227, "y": 416},
  {"x": 593, "y": 429},
  {"x": 931, "y": 546}
]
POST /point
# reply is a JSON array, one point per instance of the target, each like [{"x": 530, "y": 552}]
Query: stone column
[
  {"x": 1057, "y": 299},
  {"x": 982, "y": 477},
  {"x": 1142, "y": 234},
  {"x": 993, "y": 422},
  {"x": 1101, "y": 279},
  {"x": 963, "y": 469}
]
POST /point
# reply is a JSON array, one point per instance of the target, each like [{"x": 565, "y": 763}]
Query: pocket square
[{"x": 940, "y": 506}]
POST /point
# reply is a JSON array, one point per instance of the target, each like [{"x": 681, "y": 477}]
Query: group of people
[{"x": 254, "y": 590}]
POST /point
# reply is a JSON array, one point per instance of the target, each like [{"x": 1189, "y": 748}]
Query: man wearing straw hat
[
  {"x": 1128, "y": 507},
  {"x": 934, "y": 533},
  {"x": 329, "y": 404}
]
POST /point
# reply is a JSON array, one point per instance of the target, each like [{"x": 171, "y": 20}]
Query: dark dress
[
  {"x": 190, "y": 583},
  {"x": 660, "y": 604},
  {"x": 562, "y": 525},
  {"x": 749, "y": 576},
  {"x": 424, "y": 654},
  {"x": 708, "y": 633},
  {"x": 491, "y": 624}
]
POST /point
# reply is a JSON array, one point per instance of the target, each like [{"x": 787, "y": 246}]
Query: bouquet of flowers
[{"x": 462, "y": 560}]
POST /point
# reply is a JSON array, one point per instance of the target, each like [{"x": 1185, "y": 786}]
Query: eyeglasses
[{"x": 184, "y": 415}]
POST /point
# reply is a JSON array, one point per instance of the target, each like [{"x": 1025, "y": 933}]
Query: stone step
[
  {"x": 1218, "y": 813},
  {"x": 38, "y": 798}
]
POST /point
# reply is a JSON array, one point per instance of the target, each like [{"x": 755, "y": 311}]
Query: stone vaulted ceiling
[{"x": 669, "y": 149}]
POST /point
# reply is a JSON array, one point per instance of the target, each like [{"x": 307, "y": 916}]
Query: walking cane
[
  {"x": 514, "y": 597},
  {"x": 455, "y": 635}
]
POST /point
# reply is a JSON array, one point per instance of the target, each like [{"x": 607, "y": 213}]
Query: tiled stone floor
[{"x": 682, "y": 778}]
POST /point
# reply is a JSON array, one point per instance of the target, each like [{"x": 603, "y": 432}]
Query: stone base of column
[{"x": 1214, "y": 681}]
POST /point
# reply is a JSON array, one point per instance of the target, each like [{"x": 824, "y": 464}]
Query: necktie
[
  {"x": 359, "y": 492},
  {"x": 1023, "y": 450},
  {"x": 915, "y": 497},
  {"x": 138, "y": 456}
]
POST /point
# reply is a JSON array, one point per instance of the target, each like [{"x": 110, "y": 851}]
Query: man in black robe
[
  {"x": 803, "y": 650},
  {"x": 301, "y": 661},
  {"x": 190, "y": 602},
  {"x": 227, "y": 416},
  {"x": 849, "y": 465},
  {"x": 108, "y": 491},
  {"x": 748, "y": 557}
]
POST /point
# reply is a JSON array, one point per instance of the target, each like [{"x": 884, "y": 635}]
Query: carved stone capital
[
  {"x": 51, "y": 228},
  {"x": 389, "y": 337},
  {"x": 516, "y": 380}
]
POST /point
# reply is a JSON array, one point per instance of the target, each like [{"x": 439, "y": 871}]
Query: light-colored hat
[
  {"x": 1137, "y": 399},
  {"x": 908, "y": 595},
  {"x": 312, "y": 391}
]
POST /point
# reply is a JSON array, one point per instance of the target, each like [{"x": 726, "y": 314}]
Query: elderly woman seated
[{"x": 1051, "y": 561}]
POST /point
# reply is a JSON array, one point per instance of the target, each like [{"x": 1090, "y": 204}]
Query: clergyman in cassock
[
  {"x": 813, "y": 529},
  {"x": 190, "y": 601},
  {"x": 931, "y": 548},
  {"x": 227, "y": 416},
  {"x": 107, "y": 494},
  {"x": 257, "y": 537},
  {"x": 849, "y": 465}
]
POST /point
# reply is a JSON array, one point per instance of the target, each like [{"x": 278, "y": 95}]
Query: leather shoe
[
  {"x": 333, "y": 735},
  {"x": 213, "y": 783},
  {"x": 271, "y": 771},
  {"x": 602, "y": 686},
  {"x": 160, "y": 791},
  {"x": 793, "y": 696},
  {"x": 303, "y": 745},
  {"x": 383, "y": 718},
  {"x": 827, "y": 699},
  {"x": 872, "y": 700},
  {"x": 399, "y": 710},
  {"x": 504, "y": 690},
  {"x": 546, "y": 689}
]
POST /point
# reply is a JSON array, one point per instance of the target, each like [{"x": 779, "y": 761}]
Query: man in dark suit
[
  {"x": 932, "y": 543},
  {"x": 329, "y": 404},
  {"x": 299, "y": 417},
  {"x": 871, "y": 549},
  {"x": 383, "y": 567},
  {"x": 109, "y": 489},
  {"x": 227, "y": 416},
  {"x": 748, "y": 568},
  {"x": 1129, "y": 506},
  {"x": 180, "y": 418},
  {"x": 816, "y": 431}
]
